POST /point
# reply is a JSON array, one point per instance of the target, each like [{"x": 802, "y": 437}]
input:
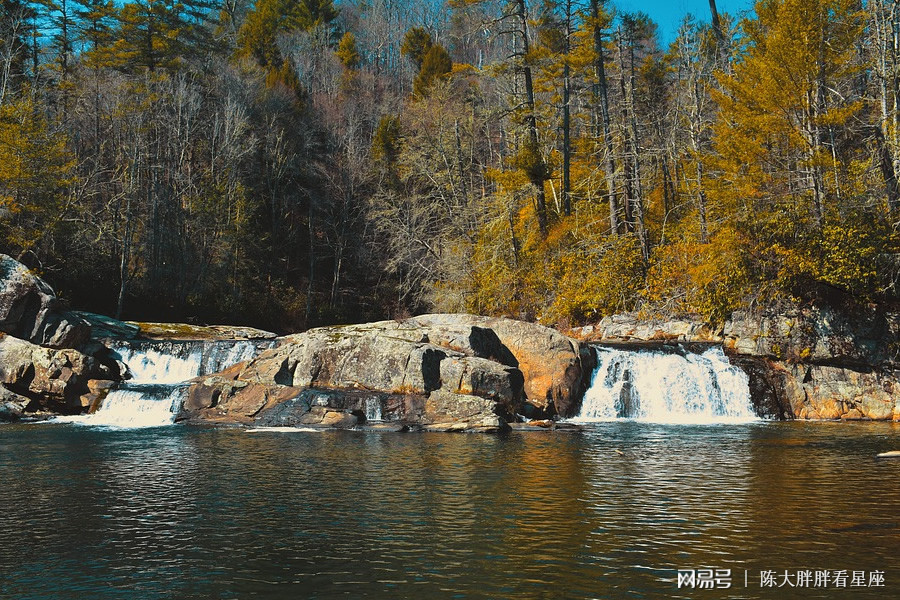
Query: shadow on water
[{"x": 612, "y": 512}]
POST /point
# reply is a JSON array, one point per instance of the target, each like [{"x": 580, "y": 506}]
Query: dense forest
[{"x": 289, "y": 163}]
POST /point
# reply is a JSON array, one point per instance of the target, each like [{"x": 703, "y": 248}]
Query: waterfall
[
  {"x": 373, "y": 409},
  {"x": 135, "y": 406},
  {"x": 159, "y": 372},
  {"x": 177, "y": 361},
  {"x": 667, "y": 386}
]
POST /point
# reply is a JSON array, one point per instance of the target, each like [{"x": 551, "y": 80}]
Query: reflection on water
[{"x": 609, "y": 513}]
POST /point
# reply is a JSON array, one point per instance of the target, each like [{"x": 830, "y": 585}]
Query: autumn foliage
[{"x": 296, "y": 162}]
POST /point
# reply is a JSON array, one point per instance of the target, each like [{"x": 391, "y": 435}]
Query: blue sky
[{"x": 668, "y": 13}]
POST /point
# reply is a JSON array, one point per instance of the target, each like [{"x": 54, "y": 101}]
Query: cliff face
[
  {"x": 808, "y": 363},
  {"x": 823, "y": 363}
]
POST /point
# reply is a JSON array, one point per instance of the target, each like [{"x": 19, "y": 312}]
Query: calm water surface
[{"x": 184, "y": 512}]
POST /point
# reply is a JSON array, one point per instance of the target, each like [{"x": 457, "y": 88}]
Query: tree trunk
[
  {"x": 567, "y": 146},
  {"x": 818, "y": 109},
  {"x": 627, "y": 163},
  {"x": 635, "y": 199},
  {"x": 312, "y": 266},
  {"x": 668, "y": 191},
  {"x": 696, "y": 132},
  {"x": 567, "y": 149},
  {"x": 530, "y": 118},
  {"x": 602, "y": 93},
  {"x": 721, "y": 42},
  {"x": 124, "y": 260},
  {"x": 895, "y": 83},
  {"x": 891, "y": 188}
]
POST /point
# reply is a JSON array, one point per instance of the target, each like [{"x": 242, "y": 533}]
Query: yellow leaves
[
  {"x": 386, "y": 140},
  {"x": 35, "y": 170},
  {"x": 838, "y": 115},
  {"x": 595, "y": 277},
  {"x": 464, "y": 69},
  {"x": 849, "y": 257},
  {"x": 582, "y": 54},
  {"x": 790, "y": 265},
  {"x": 436, "y": 65},
  {"x": 796, "y": 49},
  {"x": 707, "y": 279},
  {"x": 532, "y": 164},
  {"x": 347, "y": 52},
  {"x": 509, "y": 180}
]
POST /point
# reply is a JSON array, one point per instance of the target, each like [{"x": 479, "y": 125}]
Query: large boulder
[
  {"x": 446, "y": 411},
  {"x": 388, "y": 356},
  {"x": 31, "y": 311},
  {"x": 50, "y": 379},
  {"x": 218, "y": 398},
  {"x": 493, "y": 358},
  {"x": 443, "y": 372},
  {"x": 553, "y": 366}
]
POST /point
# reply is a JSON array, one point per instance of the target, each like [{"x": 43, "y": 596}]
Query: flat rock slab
[
  {"x": 103, "y": 327},
  {"x": 384, "y": 427},
  {"x": 546, "y": 426},
  {"x": 186, "y": 331},
  {"x": 285, "y": 430},
  {"x": 891, "y": 454}
]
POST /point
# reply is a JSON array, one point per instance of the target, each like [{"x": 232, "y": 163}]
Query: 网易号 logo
[{"x": 704, "y": 579}]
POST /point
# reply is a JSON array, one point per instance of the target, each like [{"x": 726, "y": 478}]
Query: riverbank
[{"x": 446, "y": 372}]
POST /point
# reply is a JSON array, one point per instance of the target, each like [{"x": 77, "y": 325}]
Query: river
[{"x": 611, "y": 512}]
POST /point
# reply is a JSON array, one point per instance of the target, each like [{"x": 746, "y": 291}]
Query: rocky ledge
[
  {"x": 47, "y": 360},
  {"x": 29, "y": 309},
  {"x": 433, "y": 372},
  {"x": 38, "y": 379},
  {"x": 106, "y": 328}
]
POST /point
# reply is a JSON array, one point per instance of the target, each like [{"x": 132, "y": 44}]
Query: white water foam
[
  {"x": 373, "y": 409},
  {"x": 149, "y": 364},
  {"x": 667, "y": 387},
  {"x": 135, "y": 407},
  {"x": 154, "y": 394},
  {"x": 175, "y": 362}
]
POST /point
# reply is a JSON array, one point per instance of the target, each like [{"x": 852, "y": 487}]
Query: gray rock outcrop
[
  {"x": 437, "y": 372},
  {"x": 821, "y": 362},
  {"x": 12, "y": 405},
  {"x": 49, "y": 379},
  {"x": 31, "y": 311}
]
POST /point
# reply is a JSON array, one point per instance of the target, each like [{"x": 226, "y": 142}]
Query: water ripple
[{"x": 610, "y": 513}]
